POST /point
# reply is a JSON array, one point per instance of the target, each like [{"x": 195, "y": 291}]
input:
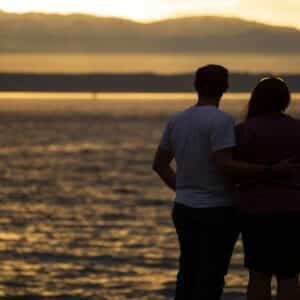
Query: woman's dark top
[{"x": 269, "y": 139}]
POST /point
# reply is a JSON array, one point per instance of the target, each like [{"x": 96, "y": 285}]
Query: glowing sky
[{"x": 279, "y": 12}]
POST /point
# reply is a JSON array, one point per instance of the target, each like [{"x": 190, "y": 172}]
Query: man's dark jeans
[{"x": 206, "y": 239}]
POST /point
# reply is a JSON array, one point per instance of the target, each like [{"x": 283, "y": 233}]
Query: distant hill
[{"x": 34, "y": 32}]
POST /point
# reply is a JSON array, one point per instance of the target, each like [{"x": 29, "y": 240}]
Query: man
[{"x": 201, "y": 139}]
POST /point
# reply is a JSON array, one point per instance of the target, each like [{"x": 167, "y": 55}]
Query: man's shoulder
[
  {"x": 209, "y": 113},
  {"x": 178, "y": 115},
  {"x": 223, "y": 117},
  {"x": 224, "y": 114}
]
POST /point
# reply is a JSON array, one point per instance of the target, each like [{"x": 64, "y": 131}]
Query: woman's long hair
[{"x": 270, "y": 95}]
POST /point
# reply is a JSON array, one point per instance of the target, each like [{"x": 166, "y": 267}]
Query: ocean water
[{"x": 82, "y": 215}]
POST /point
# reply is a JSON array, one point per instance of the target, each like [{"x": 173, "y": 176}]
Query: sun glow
[
  {"x": 140, "y": 10},
  {"x": 268, "y": 11}
]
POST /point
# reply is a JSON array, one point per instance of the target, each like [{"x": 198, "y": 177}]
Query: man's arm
[
  {"x": 239, "y": 169},
  {"x": 161, "y": 165}
]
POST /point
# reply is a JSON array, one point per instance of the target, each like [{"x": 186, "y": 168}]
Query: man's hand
[
  {"x": 286, "y": 168},
  {"x": 240, "y": 169},
  {"x": 161, "y": 165}
]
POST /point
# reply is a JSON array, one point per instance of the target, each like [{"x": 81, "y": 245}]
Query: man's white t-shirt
[{"x": 193, "y": 136}]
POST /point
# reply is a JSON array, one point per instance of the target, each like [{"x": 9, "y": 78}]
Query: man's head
[{"x": 211, "y": 81}]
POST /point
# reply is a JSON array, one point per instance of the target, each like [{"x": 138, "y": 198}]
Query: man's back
[
  {"x": 202, "y": 212},
  {"x": 193, "y": 136}
]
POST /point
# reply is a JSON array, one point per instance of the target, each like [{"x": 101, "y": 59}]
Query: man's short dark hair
[{"x": 211, "y": 80}]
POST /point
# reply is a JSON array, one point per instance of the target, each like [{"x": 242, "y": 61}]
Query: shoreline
[{"x": 119, "y": 82}]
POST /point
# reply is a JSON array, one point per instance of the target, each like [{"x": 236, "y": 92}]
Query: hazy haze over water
[{"x": 140, "y": 62}]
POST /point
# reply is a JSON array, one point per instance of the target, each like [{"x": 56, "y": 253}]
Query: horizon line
[{"x": 134, "y": 74}]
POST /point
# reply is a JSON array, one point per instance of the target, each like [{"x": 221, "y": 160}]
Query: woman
[{"x": 270, "y": 208}]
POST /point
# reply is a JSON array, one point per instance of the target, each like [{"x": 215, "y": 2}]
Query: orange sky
[{"x": 277, "y": 12}]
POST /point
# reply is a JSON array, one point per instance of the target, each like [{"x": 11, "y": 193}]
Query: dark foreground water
[{"x": 82, "y": 216}]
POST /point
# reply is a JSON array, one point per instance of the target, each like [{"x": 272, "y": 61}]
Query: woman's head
[{"x": 270, "y": 95}]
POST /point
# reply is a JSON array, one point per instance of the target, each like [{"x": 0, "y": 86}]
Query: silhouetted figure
[{"x": 270, "y": 208}]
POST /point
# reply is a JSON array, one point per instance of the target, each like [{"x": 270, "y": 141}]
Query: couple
[{"x": 234, "y": 179}]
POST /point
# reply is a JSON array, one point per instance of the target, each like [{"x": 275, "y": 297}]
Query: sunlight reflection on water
[{"x": 82, "y": 214}]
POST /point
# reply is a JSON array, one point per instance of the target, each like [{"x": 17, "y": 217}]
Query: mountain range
[{"x": 37, "y": 32}]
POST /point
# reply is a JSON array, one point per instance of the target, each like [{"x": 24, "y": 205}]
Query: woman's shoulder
[
  {"x": 247, "y": 126},
  {"x": 268, "y": 126},
  {"x": 264, "y": 121},
  {"x": 248, "y": 130},
  {"x": 289, "y": 122}
]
